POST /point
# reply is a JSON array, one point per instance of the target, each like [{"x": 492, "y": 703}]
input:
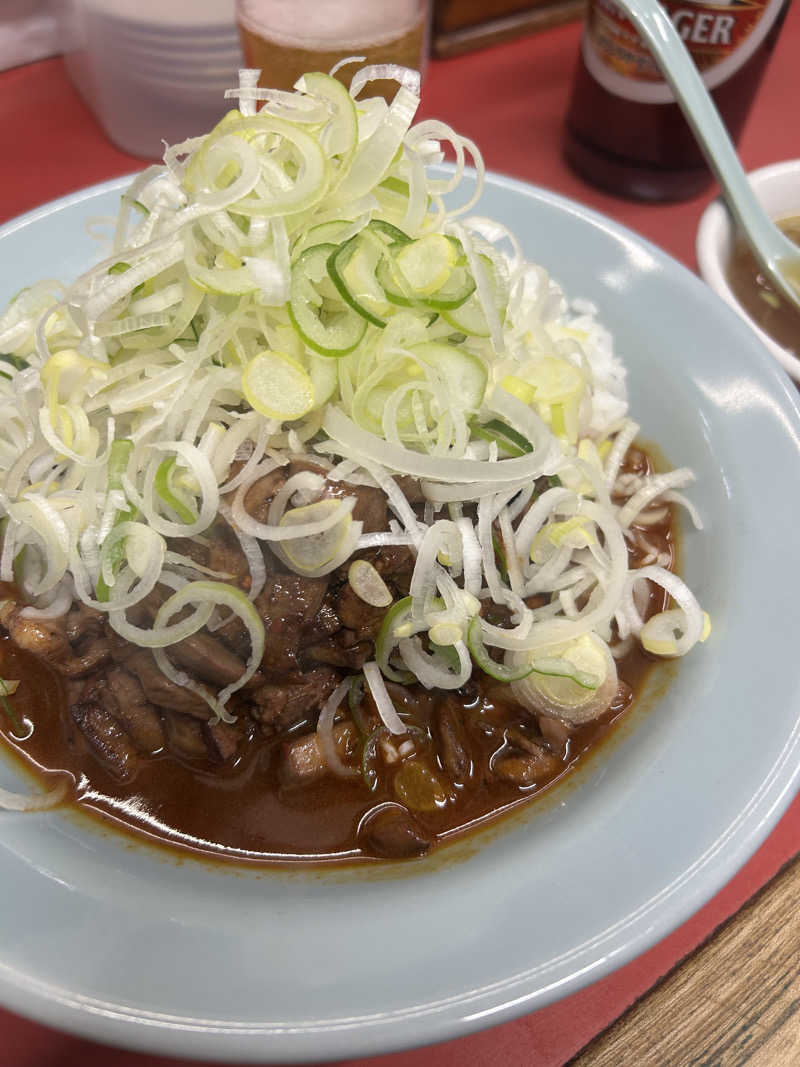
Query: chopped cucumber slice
[
  {"x": 469, "y": 317},
  {"x": 427, "y": 264},
  {"x": 277, "y": 386},
  {"x": 325, "y": 323},
  {"x": 458, "y": 287},
  {"x": 463, "y": 372},
  {"x": 354, "y": 265},
  {"x": 324, "y": 233},
  {"x": 373, "y": 392},
  {"x": 395, "y": 288},
  {"x": 386, "y": 229},
  {"x": 352, "y": 270}
]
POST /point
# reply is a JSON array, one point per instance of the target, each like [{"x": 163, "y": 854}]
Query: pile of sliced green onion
[{"x": 305, "y": 282}]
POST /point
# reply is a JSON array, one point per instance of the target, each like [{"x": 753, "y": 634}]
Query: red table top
[{"x": 511, "y": 100}]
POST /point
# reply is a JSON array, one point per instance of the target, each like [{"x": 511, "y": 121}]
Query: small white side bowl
[{"x": 778, "y": 188}]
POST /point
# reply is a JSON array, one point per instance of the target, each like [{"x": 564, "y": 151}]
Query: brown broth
[
  {"x": 243, "y": 813},
  {"x": 757, "y": 296}
]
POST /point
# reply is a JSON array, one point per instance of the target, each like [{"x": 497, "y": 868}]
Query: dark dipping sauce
[
  {"x": 243, "y": 809},
  {"x": 766, "y": 308}
]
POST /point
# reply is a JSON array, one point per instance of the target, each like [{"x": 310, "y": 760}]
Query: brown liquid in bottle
[{"x": 632, "y": 147}]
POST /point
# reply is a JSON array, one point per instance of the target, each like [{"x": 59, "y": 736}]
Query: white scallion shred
[
  {"x": 383, "y": 702},
  {"x": 164, "y": 393}
]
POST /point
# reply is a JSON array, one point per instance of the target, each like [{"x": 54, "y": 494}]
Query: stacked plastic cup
[{"x": 153, "y": 70}]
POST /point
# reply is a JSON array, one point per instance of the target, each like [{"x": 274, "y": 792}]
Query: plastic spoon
[{"x": 776, "y": 254}]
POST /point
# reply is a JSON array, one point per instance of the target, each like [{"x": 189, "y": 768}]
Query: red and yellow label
[{"x": 719, "y": 36}]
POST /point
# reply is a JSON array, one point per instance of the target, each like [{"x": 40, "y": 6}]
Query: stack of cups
[{"x": 153, "y": 70}]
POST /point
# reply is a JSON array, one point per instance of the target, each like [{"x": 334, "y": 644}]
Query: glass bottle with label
[{"x": 624, "y": 131}]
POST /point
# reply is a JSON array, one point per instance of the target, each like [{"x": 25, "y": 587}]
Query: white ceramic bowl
[
  {"x": 150, "y": 70},
  {"x": 778, "y": 189},
  {"x": 157, "y": 17}
]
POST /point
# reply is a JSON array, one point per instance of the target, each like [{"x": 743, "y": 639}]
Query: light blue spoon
[{"x": 776, "y": 254}]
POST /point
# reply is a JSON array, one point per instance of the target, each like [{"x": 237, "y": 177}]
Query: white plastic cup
[{"x": 152, "y": 71}]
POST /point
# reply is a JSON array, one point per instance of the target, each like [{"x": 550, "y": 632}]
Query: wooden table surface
[{"x": 735, "y": 1001}]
